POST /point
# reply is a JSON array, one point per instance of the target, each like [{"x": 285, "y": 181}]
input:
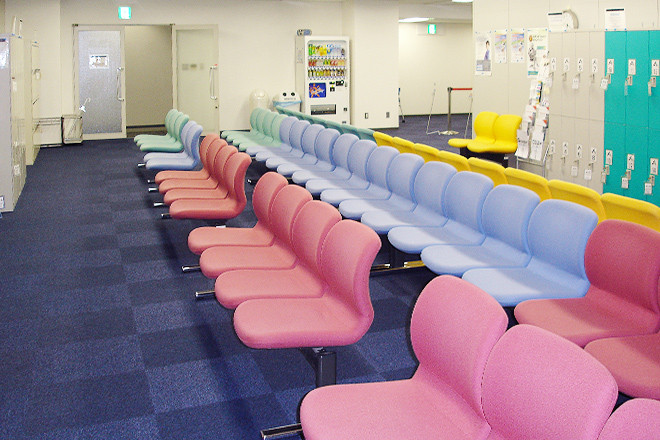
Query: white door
[
  {"x": 195, "y": 74},
  {"x": 99, "y": 64}
]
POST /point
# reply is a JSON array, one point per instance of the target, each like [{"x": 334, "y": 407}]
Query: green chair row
[{"x": 362, "y": 133}]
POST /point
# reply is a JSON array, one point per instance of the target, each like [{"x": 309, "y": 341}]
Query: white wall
[
  {"x": 148, "y": 74},
  {"x": 443, "y": 59},
  {"x": 2, "y": 16}
]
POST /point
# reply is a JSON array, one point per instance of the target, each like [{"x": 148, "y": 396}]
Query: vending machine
[{"x": 323, "y": 75}]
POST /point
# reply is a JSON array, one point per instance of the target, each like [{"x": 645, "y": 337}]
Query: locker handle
[
  {"x": 212, "y": 82},
  {"x": 119, "y": 90}
]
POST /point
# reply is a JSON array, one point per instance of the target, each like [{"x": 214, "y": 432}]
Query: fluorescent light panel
[{"x": 413, "y": 19}]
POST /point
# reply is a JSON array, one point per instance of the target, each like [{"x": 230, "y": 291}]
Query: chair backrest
[
  {"x": 623, "y": 259},
  {"x": 334, "y": 124},
  {"x": 505, "y": 216},
  {"x": 488, "y": 168},
  {"x": 285, "y": 208},
  {"x": 180, "y": 122},
  {"x": 383, "y": 139},
  {"x": 185, "y": 138},
  {"x": 285, "y": 128},
  {"x": 537, "y": 385},
  {"x": 172, "y": 126},
  {"x": 578, "y": 194},
  {"x": 403, "y": 145},
  {"x": 346, "y": 128},
  {"x": 431, "y": 183},
  {"x": 427, "y": 152},
  {"x": 169, "y": 119},
  {"x": 531, "y": 181},
  {"x": 378, "y": 163},
  {"x": 341, "y": 150},
  {"x": 296, "y": 134},
  {"x": 484, "y": 127},
  {"x": 310, "y": 228},
  {"x": 253, "y": 118},
  {"x": 214, "y": 149},
  {"x": 193, "y": 142},
  {"x": 264, "y": 194},
  {"x": 401, "y": 175},
  {"x": 274, "y": 131},
  {"x": 464, "y": 198},
  {"x": 325, "y": 143},
  {"x": 267, "y": 122},
  {"x": 260, "y": 121},
  {"x": 558, "y": 233},
  {"x": 637, "y": 419},
  {"x": 358, "y": 156},
  {"x": 456, "y": 160},
  {"x": 309, "y": 138},
  {"x": 204, "y": 149},
  {"x": 347, "y": 255},
  {"x": 366, "y": 134},
  {"x": 235, "y": 170},
  {"x": 633, "y": 210},
  {"x": 453, "y": 328},
  {"x": 220, "y": 162},
  {"x": 505, "y": 130}
]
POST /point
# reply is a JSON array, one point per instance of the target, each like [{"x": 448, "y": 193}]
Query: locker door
[
  {"x": 615, "y": 138},
  {"x": 637, "y": 139},
  {"x": 596, "y": 97},
  {"x": 637, "y": 105},
  {"x": 615, "y": 51},
  {"x": 582, "y": 64},
  {"x": 654, "y": 99},
  {"x": 567, "y": 71},
  {"x": 556, "y": 52}
]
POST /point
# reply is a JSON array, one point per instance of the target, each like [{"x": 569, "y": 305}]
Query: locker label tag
[
  {"x": 594, "y": 65},
  {"x": 631, "y": 162},
  {"x": 580, "y": 65},
  {"x": 610, "y": 66},
  {"x": 655, "y": 67},
  {"x": 587, "y": 174},
  {"x": 608, "y": 157},
  {"x": 648, "y": 189},
  {"x": 574, "y": 170},
  {"x": 604, "y": 83},
  {"x": 624, "y": 183},
  {"x": 576, "y": 83},
  {"x": 654, "y": 166},
  {"x": 632, "y": 66}
]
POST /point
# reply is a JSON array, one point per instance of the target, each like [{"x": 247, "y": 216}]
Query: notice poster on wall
[
  {"x": 537, "y": 50},
  {"x": 517, "y": 45},
  {"x": 482, "y": 54},
  {"x": 499, "y": 46}
]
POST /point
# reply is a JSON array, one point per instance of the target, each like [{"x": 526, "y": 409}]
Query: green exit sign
[
  {"x": 431, "y": 29},
  {"x": 124, "y": 12}
]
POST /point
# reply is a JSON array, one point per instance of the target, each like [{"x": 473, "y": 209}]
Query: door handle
[
  {"x": 212, "y": 82},
  {"x": 119, "y": 89}
]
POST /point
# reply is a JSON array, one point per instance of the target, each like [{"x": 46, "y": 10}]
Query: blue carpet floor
[{"x": 100, "y": 334}]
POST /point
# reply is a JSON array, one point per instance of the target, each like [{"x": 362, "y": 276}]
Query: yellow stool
[
  {"x": 483, "y": 131},
  {"x": 383, "y": 140},
  {"x": 505, "y": 130},
  {"x": 578, "y": 194},
  {"x": 491, "y": 169},
  {"x": 632, "y": 210},
  {"x": 528, "y": 180}
]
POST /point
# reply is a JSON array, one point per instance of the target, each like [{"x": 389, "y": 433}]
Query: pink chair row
[
  {"x": 618, "y": 320},
  {"x": 476, "y": 381}
]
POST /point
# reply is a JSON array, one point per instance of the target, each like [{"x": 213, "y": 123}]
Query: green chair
[{"x": 168, "y": 146}]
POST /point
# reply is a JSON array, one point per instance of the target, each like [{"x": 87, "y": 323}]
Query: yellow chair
[
  {"x": 632, "y": 210},
  {"x": 578, "y": 194},
  {"x": 488, "y": 168},
  {"x": 383, "y": 140},
  {"x": 528, "y": 180},
  {"x": 456, "y": 160},
  {"x": 403, "y": 145},
  {"x": 427, "y": 152},
  {"x": 505, "y": 129},
  {"x": 483, "y": 131}
]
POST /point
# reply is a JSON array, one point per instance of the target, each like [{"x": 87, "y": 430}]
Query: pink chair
[
  {"x": 303, "y": 280},
  {"x": 218, "y": 185},
  {"x": 341, "y": 316},
  {"x": 268, "y": 186},
  {"x": 634, "y": 361},
  {"x": 454, "y": 326},
  {"x": 622, "y": 262},
  {"x": 202, "y": 179},
  {"x": 205, "y": 157},
  {"x": 286, "y": 207},
  {"x": 637, "y": 419},
  {"x": 222, "y": 208}
]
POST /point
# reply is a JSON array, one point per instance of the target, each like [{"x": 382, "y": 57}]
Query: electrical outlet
[
  {"x": 366, "y": 116},
  {"x": 387, "y": 114}
]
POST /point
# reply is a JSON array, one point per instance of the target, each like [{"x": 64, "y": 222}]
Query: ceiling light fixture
[{"x": 413, "y": 19}]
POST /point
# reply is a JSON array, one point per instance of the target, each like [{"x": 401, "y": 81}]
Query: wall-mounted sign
[{"x": 99, "y": 62}]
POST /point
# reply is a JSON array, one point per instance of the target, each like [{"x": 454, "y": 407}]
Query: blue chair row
[
  {"x": 265, "y": 130},
  {"x": 186, "y": 160},
  {"x": 362, "y": 133}
]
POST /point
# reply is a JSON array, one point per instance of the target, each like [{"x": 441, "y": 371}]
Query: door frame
[
  {"x": 122, "y": 77},
  {"x": 213, "y": 71}
]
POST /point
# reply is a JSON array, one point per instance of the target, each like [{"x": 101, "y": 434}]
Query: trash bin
[
  {"x": 258, "y": 99},
  {"x": 288, "y": 99},
  {"x": 72, "y": 129}
]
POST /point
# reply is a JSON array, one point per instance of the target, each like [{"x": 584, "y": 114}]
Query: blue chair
[
  {"x": 430, "y": 185},
  {"x": 357, "y": 166},
  {"x": 231, "y": 135},
  {"x": 376, "y": 176},
  {"x": 307, "y": 143},
  {"x": 270, "y": 137},
  {"x": 340, "y": 151},
  {"x": 558, "y": 233},
  {"x": 291, "y": 145},
  {"x": 505, "y": 218},
  {"x": 262, "y": 134},
  {"x": 174, "y": 154},
  {"x": 400, "y": 180},
  {"x": 173, "y": 161},
  {"x": 280, "y": 136},
  {"x": 322, "y": 156},
  {"x": 462, "y": 206}
]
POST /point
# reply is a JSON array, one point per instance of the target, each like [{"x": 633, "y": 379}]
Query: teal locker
[
  {"x": 637, "y": 139},
  {"x": 654, "y": 151},
  {"x": 615, "y": 100},
  {"x": 615, "y": 140},
  {"x": 654, "y": 100},
  {"x": 637, "y": 99}
]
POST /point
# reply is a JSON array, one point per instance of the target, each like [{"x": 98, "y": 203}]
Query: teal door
[
  {"x": 615, "y": 141},
  {"x": 615, "y": 56},
  {"x": 637, "y": 99}
]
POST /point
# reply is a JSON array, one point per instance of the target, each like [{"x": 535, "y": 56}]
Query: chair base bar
[
  {"x": 150, "y": 181},
  {"x": 386, "y": 268},
  {"x": 200, "y": 294},
  {"x": 159, "y": 204},
  {"x": 153, "y": 189},
  {"x": 191, "y": 268},
  {"x": 324, "y": 363},
  {"x": 281, "y": 431},
  {"x": 142, "y": 165},
  {"x": 166, "y": 216}
]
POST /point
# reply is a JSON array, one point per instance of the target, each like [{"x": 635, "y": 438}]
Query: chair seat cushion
[
  {"x": 354, "y": 209},
  {"x": 171, "y": 164},
  {"x": 634, "y": 361},
  {"x": 194, "y": 194},
  {"x": 217, "y": 260},
  {"x": 367, "y": 412},
  {"x": 287, "y": 169},
  {"x": 237, "y": 286},
  {"x": 173, "y": 147},
  {"x": 192, "y": 175},
  {"x": 304, "y": 176},
  {"x": 335, "y": 196},
  {"x": 458, "y": 142},
  {"x": 317, "y": 186},
  {"x": 582, "y": 320},
  {"x": 458, "y": 259},
  {"x": 206, "y": 209},
  {"x": 183, "y": 183},
  {"x": 510, "y": 286},
  {"x": 206, "y": 237},
  {"x": 412, "y": 239}
]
